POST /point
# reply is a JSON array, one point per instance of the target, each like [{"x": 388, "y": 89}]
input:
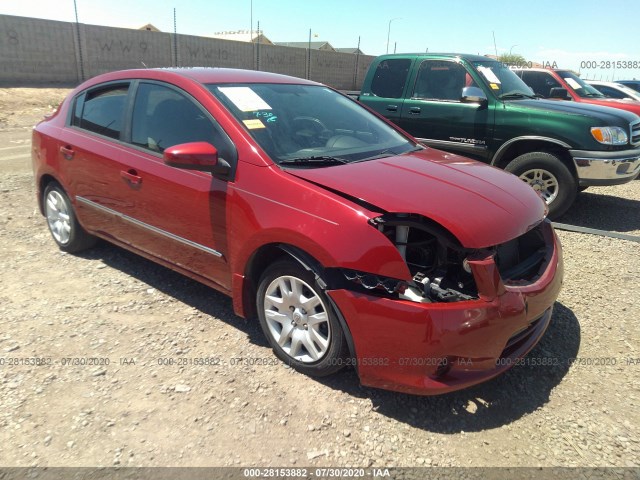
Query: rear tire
[
  {"x": 547, "y": 174},
  {"x": 62, "y": 222},
  {"x": 298, "y": 320}
]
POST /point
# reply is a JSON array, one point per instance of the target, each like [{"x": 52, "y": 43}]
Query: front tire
[
  {"x": 298, "y": 320},
  {"x": 549, "y": 176},
  {"x": 62, "y": 222}
]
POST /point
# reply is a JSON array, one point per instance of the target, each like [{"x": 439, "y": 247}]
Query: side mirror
[
  {"x": 473, "y": 95},
  {"x": 196, "y": 156},
  {"x": 560, "y": 93}
]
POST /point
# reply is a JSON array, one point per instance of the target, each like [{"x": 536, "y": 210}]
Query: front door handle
[
  {"x": 131, "y": 176},
  {"x": 392, "y": 108},
  {"x": 67, "y": 152},
  {"x": 414, "y": 110}
]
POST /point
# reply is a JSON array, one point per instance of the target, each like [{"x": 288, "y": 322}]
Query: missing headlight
[{"x": 435, "y": 258}]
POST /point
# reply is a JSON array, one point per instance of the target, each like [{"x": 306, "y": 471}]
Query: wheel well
[
  {"x": 44, "y": 181},
  {"x": 265, "y": 256},
  {"x": 257, "y": 264},
  {"x": 528, "y": 146}
]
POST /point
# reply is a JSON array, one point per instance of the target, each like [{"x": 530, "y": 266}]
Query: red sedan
[
  {"x": 351, "y": 243},
  {"x": 566, "y": 85}
]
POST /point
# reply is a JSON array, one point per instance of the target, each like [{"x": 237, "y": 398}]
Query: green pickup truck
[{"x": 477, "y": 107}]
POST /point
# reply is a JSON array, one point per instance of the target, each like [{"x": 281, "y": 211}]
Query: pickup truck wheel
[
  {"x": 547, "y": 174},
  {"x": 298, "y": 320},
  {"x": 62, "y": 222}
]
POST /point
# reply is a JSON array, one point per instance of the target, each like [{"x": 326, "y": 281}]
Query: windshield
[
  {"x": 309, "y": 125},
  {"x": 578, "y": 85},
  {"x": 504, "y": 83}
]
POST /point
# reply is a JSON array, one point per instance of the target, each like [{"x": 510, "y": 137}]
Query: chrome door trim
[{"x": 151, "y": 228}]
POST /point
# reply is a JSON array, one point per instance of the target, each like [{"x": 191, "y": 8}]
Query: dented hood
[{"x": 481, "y": 205}]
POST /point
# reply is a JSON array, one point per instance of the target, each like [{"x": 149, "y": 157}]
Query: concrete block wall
[
  {"x": 37, "y": 52},
  {"x": 213, "y": 52},
  {"x": 47, "y": 52},
  {"x": 107, "y": 48},
  {"x": 285, "y": 60}
]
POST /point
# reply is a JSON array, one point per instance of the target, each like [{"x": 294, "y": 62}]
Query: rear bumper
[
  {"x": 606, "y": 168},
  {"x": 434, "y": 348}
]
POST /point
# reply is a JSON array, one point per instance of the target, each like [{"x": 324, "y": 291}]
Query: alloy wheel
[
  {"x": 58, "y": 217},
  {"x": 297, "y": 319},
  {"x": 542, "y": 181}
]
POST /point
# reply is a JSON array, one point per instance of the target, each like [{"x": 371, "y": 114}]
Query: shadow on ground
[
  {"x": 520, "y": 391},
  {"x": 604, "y": 212}
]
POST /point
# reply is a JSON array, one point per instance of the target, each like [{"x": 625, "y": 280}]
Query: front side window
[
  {"x": 390, "y": 77},
  {"x": 102, "y": 110},
  {"x": 295, "y": 124},
  {"x": 540, "y": 82},
  {"x": 441, "y": 80},
  {"x": 163, "y": 117}
]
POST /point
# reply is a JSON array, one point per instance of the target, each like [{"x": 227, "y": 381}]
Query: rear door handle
[
  {"x": 67, "y": 152},
  {"x": 131, "y": 176},
  {"x": 414, "y": 110},
  {"x": 392, "y": 108}
]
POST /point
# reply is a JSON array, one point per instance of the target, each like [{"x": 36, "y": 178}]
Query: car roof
[
  {"x": 204, "y": 75},
  {"x": 234, "y": 75}
]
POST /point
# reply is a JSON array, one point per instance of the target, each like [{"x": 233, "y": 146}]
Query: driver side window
[
  {"x": 163, "y": 117},
  {"x": 441, "y": 80},
  {"x": 540, "y": 82}
]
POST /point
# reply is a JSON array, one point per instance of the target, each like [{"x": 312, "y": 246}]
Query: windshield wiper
[
  {"x": 388, "y": 153},
  {"x": 514, "y": 95},
  {"x": 594, "y": 95},
  {"x": 319, "y": 159}
]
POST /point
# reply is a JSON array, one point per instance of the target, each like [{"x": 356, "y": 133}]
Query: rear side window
[
  {"x": 102, "y": 111},
  {"x": 390, "y": 77}
]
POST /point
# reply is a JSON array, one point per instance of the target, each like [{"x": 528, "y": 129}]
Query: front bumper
[
  {"x": 606, "y": 168},
  {"x": 434, "y": 348}
]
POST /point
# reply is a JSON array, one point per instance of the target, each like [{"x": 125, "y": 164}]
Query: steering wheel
[{"x": 311, "y": 131}]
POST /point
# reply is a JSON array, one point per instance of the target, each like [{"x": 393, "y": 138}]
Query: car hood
[
  {"x": 608, "y": 112},
  {"x": 481, "y": 205},
  {"x": 629, "y": 105}
]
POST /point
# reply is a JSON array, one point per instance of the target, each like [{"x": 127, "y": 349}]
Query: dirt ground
[{"x": 99, "y": 360}]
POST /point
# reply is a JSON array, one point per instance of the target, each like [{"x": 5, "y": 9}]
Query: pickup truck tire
[{"x": 546, "y": 173}]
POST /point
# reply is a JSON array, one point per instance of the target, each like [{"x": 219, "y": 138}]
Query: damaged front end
[{"x": 441, "y": 269}]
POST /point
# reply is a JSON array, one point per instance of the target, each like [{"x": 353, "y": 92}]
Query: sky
[{"x": 574, "y": 34}]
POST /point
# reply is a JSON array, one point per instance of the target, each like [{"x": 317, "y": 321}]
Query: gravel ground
[{"x": 247, "y": 409}]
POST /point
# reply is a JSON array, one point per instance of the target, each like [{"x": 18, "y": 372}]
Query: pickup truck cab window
[
  {"x": 390, "y": 78},
  {"x": 441, "y": 80},
  {"x": 102, "y": 110}
]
